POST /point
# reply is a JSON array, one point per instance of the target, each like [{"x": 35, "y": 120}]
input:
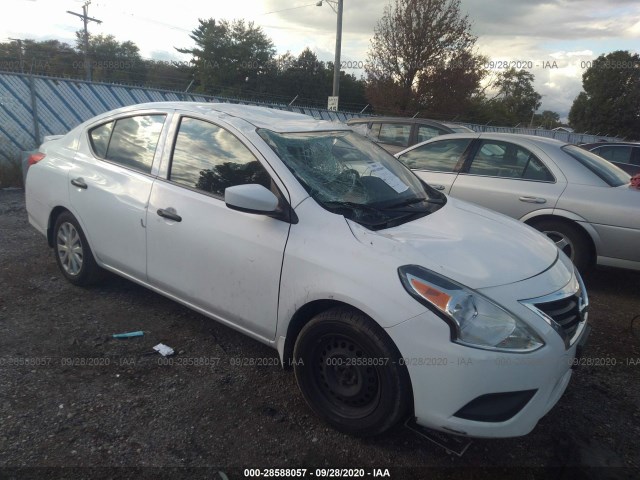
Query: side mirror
[{"x": 251, "y": 198}]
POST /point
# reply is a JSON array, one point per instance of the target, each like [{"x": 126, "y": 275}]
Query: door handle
[
  {"x": 533, "y": 200},
  {"x": 79, "y": 182},
  {"x": 169, "y": 213},
  {"x": 438, "y": 187}
]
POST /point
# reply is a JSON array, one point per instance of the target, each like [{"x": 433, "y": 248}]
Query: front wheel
[
  {"x": 349, "y": 373},
  {"x": 72, "y": 252},
  {"x": 570, "y": 239}
]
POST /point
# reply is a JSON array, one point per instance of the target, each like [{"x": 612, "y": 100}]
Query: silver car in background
[{"x": 582, "y": 202}]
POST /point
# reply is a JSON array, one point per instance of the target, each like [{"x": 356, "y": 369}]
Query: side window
[
  {"x": 395, "y": 134},
  {"x": 636, "y": 156},
  {"x": 620, "y": 154},
  {"x": 536, "y": 170},
  {"x": 507, "y": 160},
  {"x": 133, "y": 141},
  {"x": 375, "y": 130},
  {"x": 425, "y": 132},
  {"x": 441, "y": 156},
  {"x": 100, "y": 139},
  {"x": 208, "y": 158}
]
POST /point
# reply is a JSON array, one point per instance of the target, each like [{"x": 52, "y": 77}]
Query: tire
[
  {"x": 73, "y": 254},
  {"x": 349, "y": 373},
  {"x": 571, "y": 240}
]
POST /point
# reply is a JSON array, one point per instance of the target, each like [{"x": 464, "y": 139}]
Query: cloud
[{"x": 539, "y": 31}]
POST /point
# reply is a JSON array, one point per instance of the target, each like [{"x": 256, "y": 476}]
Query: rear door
[
  {"x": 225, "y": 262},
  {"x": 438, "y": 162},
  {"x": 109, "y": 188},
  {"x": 509, "y": 178}
]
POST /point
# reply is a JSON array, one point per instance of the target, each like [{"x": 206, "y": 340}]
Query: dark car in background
[
  {"x": 397, "y": 133},
  {"x": 625, "y": 155}
]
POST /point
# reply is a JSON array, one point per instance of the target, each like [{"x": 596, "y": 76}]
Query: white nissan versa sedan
[{"x": 391, "y": 300}]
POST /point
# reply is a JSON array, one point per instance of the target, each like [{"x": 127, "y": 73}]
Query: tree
[
  {"x": 413, "y": 37},
  {"x": 352, "y": 90},
  {"x": 516, "y": 100},
  {"x": 113, "y": 61},
  {"x": 304, "y": 76},
  {"x": 48, "y": 57},
  {"x": 168, "y": 74},
  {"x": 610, "y": 101},
  {"x": 449, "y": 90},
  {"x": 230, "y": 56},
  {"x": 547, "y": 119}
]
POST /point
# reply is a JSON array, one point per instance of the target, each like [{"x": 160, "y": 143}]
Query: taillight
[{"x": 35, "y": 158}]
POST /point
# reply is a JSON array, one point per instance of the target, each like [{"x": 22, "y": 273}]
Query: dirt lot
[{"x": 72, "y": 396}]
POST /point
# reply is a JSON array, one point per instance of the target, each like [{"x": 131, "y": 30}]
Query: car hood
[{"x": 468, "y": 244}]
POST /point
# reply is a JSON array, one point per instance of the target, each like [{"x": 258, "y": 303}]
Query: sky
[{"x": 554, "y": 39}]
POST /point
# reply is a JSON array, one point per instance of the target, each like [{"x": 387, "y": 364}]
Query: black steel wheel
[{"x": 348, "y": 371}]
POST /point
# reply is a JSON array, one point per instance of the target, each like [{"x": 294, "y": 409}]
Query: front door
[{"x": 223, "y": 261}]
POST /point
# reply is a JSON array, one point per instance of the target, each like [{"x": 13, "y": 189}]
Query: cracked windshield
[{"x": 348, "y": 175}]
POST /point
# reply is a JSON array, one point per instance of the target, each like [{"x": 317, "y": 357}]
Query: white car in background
[
  {"x": 582, "y": 202},
  {"x": 390, "y": 300}
]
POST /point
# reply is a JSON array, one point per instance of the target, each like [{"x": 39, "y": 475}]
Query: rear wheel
[
  {"x": 72, "y": 252},
  {"x": 349, "y": 373},
  {"x": 570, "y": 239}
]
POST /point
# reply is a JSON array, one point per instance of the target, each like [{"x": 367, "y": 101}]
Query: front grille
[{"x": 565, "y": 312}]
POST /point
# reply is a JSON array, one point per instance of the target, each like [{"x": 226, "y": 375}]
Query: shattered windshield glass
[{"x": 349, "y": 175}]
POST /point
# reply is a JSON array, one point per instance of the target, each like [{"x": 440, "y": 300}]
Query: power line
[{"x": 291, "y": 8}]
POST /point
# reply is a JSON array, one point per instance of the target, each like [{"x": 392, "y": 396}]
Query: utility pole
[
  {"x": 337, "y": 6},
  {"x": 86, "y": 19},
  {"x": 336, "y": 63},
  {"x": 19, "y": 53}
]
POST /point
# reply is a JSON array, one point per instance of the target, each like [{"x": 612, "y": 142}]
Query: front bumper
[{"x": 481, "y": 393}]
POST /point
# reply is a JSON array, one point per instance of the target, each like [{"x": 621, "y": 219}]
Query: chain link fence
[{"x": 32, "y": 107}]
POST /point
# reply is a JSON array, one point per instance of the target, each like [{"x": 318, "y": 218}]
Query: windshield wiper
[
  {"x": 384, "y": 220},
  {"x": 411, "y": 201},
  {"x": 406, "y": 203},
  {"x": 352, "y": 205}
]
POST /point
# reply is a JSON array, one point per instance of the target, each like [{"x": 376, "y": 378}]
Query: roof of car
[
  {"x": 504, "y": 136},
  {"x": 258, "y": 117},
  {"x": 399, "y": 119},
  {"x": 531, "y": 138},
  {"x": 542, "y": 141}
]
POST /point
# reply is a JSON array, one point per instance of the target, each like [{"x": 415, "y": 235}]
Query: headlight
[{"x": 475, "y": 320}]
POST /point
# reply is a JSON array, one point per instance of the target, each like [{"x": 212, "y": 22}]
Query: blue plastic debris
[{"x": 139, "y": 333}]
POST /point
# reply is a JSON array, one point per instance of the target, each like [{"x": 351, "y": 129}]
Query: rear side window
[
  {"x": 395, "y": 134},
  {"x": 440, "y": 156},
  {"x": 130, "y": 142},
  {"x": 496, "y": 158},
  {"x": 605, "y": 170},
  {"x": 619, "y": 153},
  {"x": 209, "y": 158},
  {"x": 426, "y": 132},
  {"x": 536, "y": 170},
  {"x": 100, "y": 139}
]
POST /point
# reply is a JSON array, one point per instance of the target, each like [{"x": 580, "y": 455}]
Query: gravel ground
[{"x": 72, "y": 396}]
